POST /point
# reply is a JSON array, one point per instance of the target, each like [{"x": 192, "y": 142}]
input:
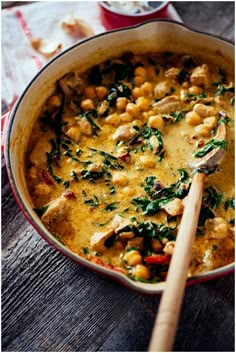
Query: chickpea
[
  {"x": 87, "y": 104},
  {"x": 54, "y": 101},
  {"x": 193, "y": 118},
  {"x": 141, "y": 271},
  {"x": 113, "y": 119},
  {"x": 128, "y": 191},
  {"x": 139, "y": 80},
  {"x": 132, "y": 109},
  {"x": 121, "y": 103},
  {"x": 147, "y": 162},
  {"x": 202, "y": 130},
  {"x": 126, "y": 117},
  {"x": 119, "y": 178},
  {"x": 156, "y": 121},
  {"x": 101, "y": 92},
  {"x": 156, "y": 245},
  {"x": 137, "y": 92},
  {"x": 195, "y": 90},
  {"x": 133, "y": 257},
  {"x": 147, "y": 88},
  {"x": 204, "y": 110},
  {"x": 140, "y": 71},
  {"x": 142, "y": 104},
  {"x": 146, "y": 115},
  {"x": 74, "y": 132},
  {"x": 89, "y": 92},
  {"x": 210, "y": 122}
]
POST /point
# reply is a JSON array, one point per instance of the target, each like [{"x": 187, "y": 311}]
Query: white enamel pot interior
[{"x": 152, "y": 36}]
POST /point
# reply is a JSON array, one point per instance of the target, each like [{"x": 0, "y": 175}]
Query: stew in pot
[{"x": 107, "y": 162}]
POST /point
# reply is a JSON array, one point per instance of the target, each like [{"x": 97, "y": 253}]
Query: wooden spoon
[{"x": 164, "y": 330}]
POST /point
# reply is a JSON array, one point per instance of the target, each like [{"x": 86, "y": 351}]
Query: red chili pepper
[
  {"x": 46, "y": 178},
  {"x": 69, "y": 194},
  {"x": 157, "y": 259}
]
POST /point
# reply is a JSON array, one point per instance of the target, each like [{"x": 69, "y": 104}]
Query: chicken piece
[
  {"x": 56, "y": 210},
  {"x": 169, "y": 247},
  {"x": 172, "y": 73},
  {"x": 97, "y": 241},
  {"x": 118, "y": 223},
  {"x": 161, "y": 89},
  {"x": 174, "y": 207},
  {"x": 95, "y": 168},
  {"x": 168, "y": 105},
  {"x": 136, "y": 243},
  {"x": 126, "y": 235},
  {"x": 71, "y": 84},
  {"x": 200, "y": 76},
  {"x": 216, "y": 228},
  {"x": 124, "y": 133},
  {"x": 38, "y": 155},
  {"x": 86, "y": 127},
  {"x": 154, "y": 143}
]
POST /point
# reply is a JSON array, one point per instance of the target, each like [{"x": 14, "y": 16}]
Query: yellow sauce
[{"x": 123, "y": 133}]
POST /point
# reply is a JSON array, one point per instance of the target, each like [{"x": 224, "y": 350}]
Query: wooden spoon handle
[{"x": 164, "y": 330}]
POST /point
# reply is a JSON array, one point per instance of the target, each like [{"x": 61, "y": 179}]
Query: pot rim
[{"x": 146, "y": 288}]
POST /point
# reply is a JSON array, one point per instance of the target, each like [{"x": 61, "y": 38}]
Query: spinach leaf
[
  {"x": 229, "y": 203},
  {"x": 212, "y": 198},
  {"x": 87, "y": 115},
  {"x": 209, "y": 146}
]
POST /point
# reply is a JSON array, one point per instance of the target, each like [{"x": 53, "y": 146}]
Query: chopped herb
[
  {"x": 229, "y": 203},
  {"x": 221, "y": 89},
  {"x": 177, "y": 116},
  {"x": 91, "y": 176},
  {"x": 111, "y": 207},
  {"x": 205, "y": 213},
  {"x": 41, "y": 211},
  {"x": 212, "y": 198},
  {"x": 85, "y": 251},
  {"x": 183, "y": 76},
  {"x": 94, "y": 202},
  {"x": 50, "y": 169},
  {"x": 74, "y": 175},
  {"x": 209, "y": 146},
  {"x": 87, "y": 114},
  {"x": 152, "y": 205},
  {"x": 66, "y": 184}
]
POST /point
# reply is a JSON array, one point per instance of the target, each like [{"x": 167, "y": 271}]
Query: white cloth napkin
[{"x": 20, "y": 62}]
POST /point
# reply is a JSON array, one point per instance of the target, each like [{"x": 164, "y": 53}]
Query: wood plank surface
[{"x": 49, "y": 303}]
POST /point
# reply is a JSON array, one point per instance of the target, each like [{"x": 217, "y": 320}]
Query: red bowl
[{"x": 113, "y": 18}]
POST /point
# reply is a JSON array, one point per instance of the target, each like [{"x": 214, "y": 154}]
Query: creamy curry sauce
[{"x": 107, "y": 162}]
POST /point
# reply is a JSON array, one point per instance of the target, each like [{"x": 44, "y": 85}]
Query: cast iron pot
[{"x": 152, "y": 36}]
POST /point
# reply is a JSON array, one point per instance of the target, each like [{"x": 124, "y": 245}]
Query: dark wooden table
[{"x": 49, "y": 303}]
